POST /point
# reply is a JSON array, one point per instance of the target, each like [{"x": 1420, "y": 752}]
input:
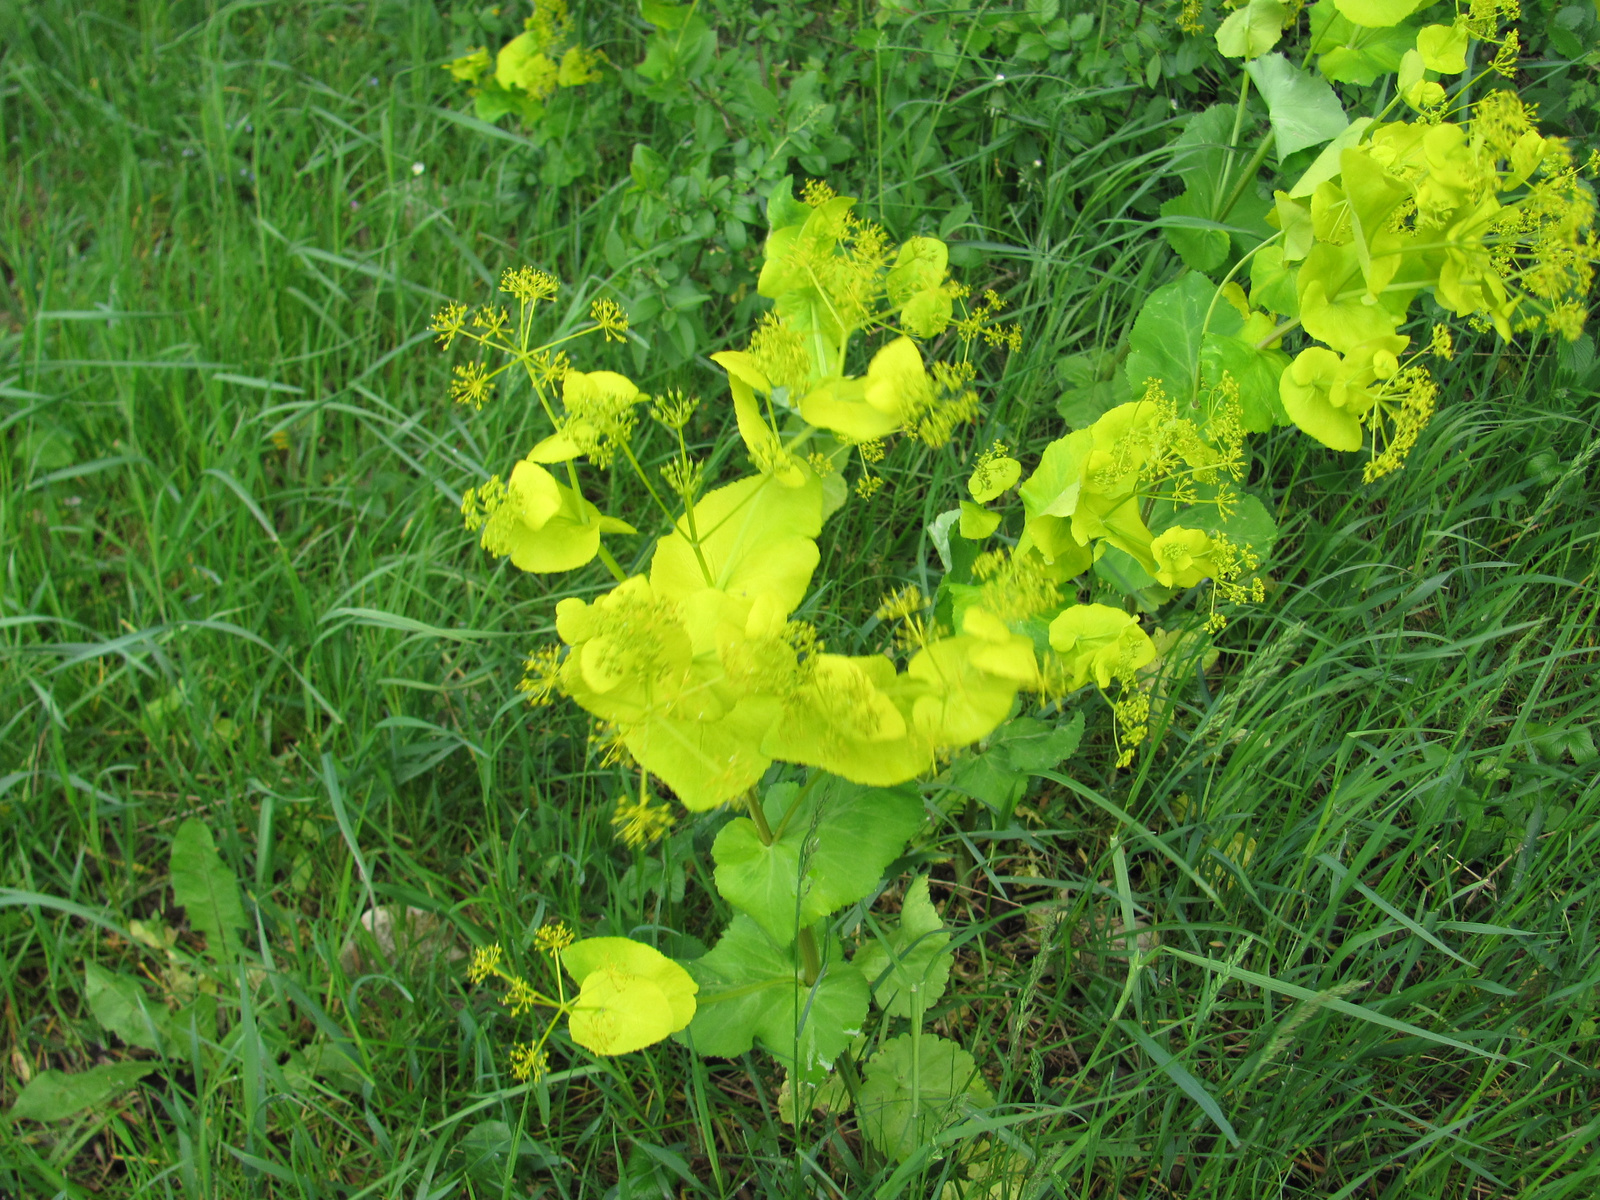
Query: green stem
[
  {"x": 638, "y": 470},
  {"x": 758, "y": 816},
  {"x": 810, "y": 958},
  {"x": 1238, "y": 125},
  {"x": 794, "y": 806},
  {"x": 1287, "y": 326},
  {"x": 1245, "y": 177},
  {"x": 612, "y": 565}
]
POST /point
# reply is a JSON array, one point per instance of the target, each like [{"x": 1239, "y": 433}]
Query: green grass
[{"x": 1362, "y": 862}]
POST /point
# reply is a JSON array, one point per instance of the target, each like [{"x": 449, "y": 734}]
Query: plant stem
[
  {"x": 612, "y": 565},
  {"x": 759, "y": 817},
  {"x": 1248, "y": 174},
  {"x": 810, "y": 957}
]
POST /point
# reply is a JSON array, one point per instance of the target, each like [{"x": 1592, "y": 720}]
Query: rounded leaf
[
  {"x": 1376, "y": 14},
  {"x": 630, "y": 994},
  {"x": 994, "y": 477},
  {"x": 1443, "y": 48},
  {"x": 1098, "y": 640}
]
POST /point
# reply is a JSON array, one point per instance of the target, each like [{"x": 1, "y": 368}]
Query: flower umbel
[
  {"x": 608, "y": 315},
  {"x": 641, "y": 822}
]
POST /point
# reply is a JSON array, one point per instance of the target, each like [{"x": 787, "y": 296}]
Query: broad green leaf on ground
[
  {"x": 830, "y": 852},
  {"x": 1200, "y": 156},
  {"x": 911, "y": 971},
  {"x": 914, "y": 1088},
  {"x": 998, "y": 776},
  {"x": 331, "y": 1064},
  {"x": 830, "y": 1095},
  {"x": 121, "y": 1006},
  {"x": 202, "y": 883},
  {"x": 1199, "y": 239},
  {"x": 1165, "y": 342},
  {"x": 989, "y": 778},
  {"x": 1036, "y": 746},
  {"x": 52, "y": 1095},
  {"x": 751, "y": 987},
  {"x": 1093, "y": 388},
  {"x": 1302, "y": 107}
]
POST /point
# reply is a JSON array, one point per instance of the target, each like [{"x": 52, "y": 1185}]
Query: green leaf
[
  {"x": 998, "y": 777},
  {"x": 1202, "y": 244},
  {"x": 1554, "y": 742},
  {"x": 1250, "y": 524},
  {"x": 1165, "y": 342},
  {"x": 914, "y": 1088},
  {"x": 1200, "y": 156},
  {"x": 783, "y": 210},
  {"x": 1255, "y": 370},
  {"x": 1123, "y": 572},
  {"x": 830, "y": 852},
  {"x": 52, "y": 1095},
  {"x": 990, "y": 779},
  {"x": 121, "y": 1006},
  {"x": 1187, "y": 1083},
  {"x": 750, "y": 987},
  {"x": 649, "y": 170},
  {"x": 1094, "y": 387},
  {"x": 1251, "y": 31},
  {"x": 1036, "y": 746},
  {"x": 664, "y": 14},
  {"x": 202, "y": 883},
  {"x": 1303, "y": 109},
  {"x": 911, "y": 972},
  {"x": 1376, "y": 14},
  {"x": 1272, "y": 282}
]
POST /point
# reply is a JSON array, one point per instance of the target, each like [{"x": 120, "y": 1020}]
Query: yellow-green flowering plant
[{"x": 697, "y": 669}]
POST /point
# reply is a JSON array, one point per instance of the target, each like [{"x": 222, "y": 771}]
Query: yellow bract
[
  {"x": 1376, "y": 14},
  {"x": 1329, "y": 396},
  {"x": 540, "y": 523},
  {"x": 630, "y": 995},
  {"x": 1100, "y": 641}
]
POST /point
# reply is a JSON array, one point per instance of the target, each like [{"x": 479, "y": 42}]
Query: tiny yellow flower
[
  {"x": 552, "y": 937},
  {"x": 471, "y": 385},
  {"x": 641, "y": 823},
  {"x": 485, "y": 962},
  {"x": 609, "y": 316},
  {"x": 448, "y": 323},
  {"x": 528, "y": 1062},
  {"x": 529, "y": 285}
]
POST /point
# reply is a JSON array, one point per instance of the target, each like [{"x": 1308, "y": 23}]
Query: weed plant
[{"x": 1333, "y": 935}]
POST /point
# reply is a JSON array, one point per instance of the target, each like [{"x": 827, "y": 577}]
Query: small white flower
[
  {"x": 418, "y": 168},
  {"x": 999, "y": 78}
]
